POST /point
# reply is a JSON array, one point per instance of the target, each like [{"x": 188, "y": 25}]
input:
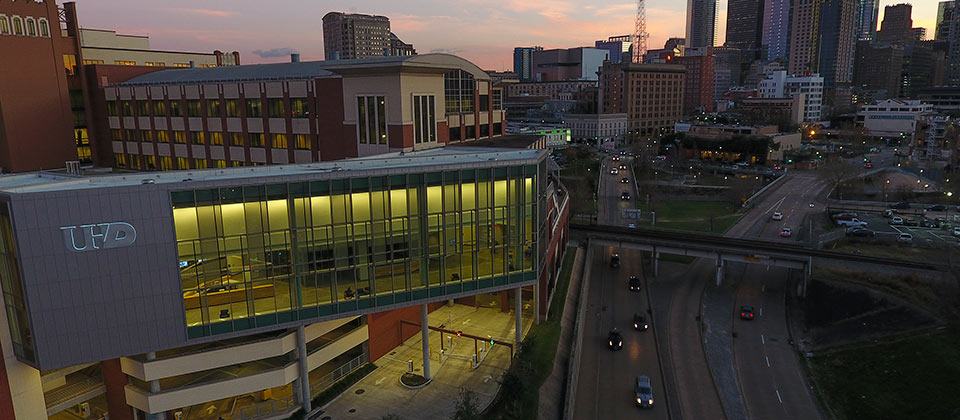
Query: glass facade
[
  {"x": 13, "y": 293},
  {"x": 261, "y": 255}
]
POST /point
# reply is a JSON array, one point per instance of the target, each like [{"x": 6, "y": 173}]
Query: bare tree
[{"x": 838, "y": 171}]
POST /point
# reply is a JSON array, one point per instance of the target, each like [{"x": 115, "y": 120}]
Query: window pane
[
  {"x": 276, "y": 108},
  {"x": 362, "y": 118},
  {"x": 213, "y": 107},
  {"x": 382, "y": 119}
]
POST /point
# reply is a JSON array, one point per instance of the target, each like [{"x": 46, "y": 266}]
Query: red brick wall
[
  {"x": 400, "y": 136},
  {"x": 114, "y": 380},
  {"x": 337, "y": 140},
  {"x": 6, "y": 400},
  {"x": 384, "y": 328},
  {"x": 36, "y": 125}
]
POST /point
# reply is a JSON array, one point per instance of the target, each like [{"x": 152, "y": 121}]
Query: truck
[{"x": 852, "y": 222}]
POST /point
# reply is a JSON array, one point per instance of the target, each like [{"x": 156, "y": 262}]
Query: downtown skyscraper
[
  {"x": 868, "y": 11},
  {"x": 776, "y": 29},
  {"x": 701, "y": 23},
  {"x": 745, "y": 26}
]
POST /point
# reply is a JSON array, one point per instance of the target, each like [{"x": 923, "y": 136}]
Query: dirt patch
[{"x": 835, "y": 313}]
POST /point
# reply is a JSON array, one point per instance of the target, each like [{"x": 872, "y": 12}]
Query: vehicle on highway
[
  {"x": 896, "y": 220},
  {"x": 956, "y": 231},
  {"x": 623, "y": 167},
  {"x": 786, "y": 232},
  {"x": 616, "y": 158},
  {"x": 889, "y": 212},
  {"x": 632, "y": 226},
  {"x": 905, "y": 238},
  {"x": 643, "y": 391},
  {"x": 634, "y": 283},
  {"x": 777, "y": 216},
  {"x": 901, "y": 205},
  {"x": 615, "y": 260},
  {"x": 937, "y": 207},
  {"x": 868, "y": 165},
  {"x": 625, "y": 196},
  {"x": 615, "y": 339},
  {"x": 911, "y": 222},
  {"x": 746, "y": 312},
  {"x": 851, "y": 222},
  {"x": 844, "y": 216},
  {"x": 640, "y": 322},
  {"x": 928, "y": 223},
  {"x": 624, "y": 180},
  {"x": 811, "y": 205},
  {"x": 861, "y": 232},
  {"x": 613, "y": 171}
]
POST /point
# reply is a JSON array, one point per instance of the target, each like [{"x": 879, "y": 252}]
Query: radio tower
[{"x": 640, "y": 34}]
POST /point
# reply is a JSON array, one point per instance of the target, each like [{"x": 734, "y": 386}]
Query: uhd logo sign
[{"x": 98, "y": 236}]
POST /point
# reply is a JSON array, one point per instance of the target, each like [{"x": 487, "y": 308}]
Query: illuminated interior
[{"x": 266, "y": 254}]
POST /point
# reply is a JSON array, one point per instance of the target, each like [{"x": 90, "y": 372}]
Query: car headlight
[
  {"x": 611, "y": 342},
  {"x": 620, "y": 343},
  {"x": 650, "y": 402},
  {"x": 645, "y": 326},
  {"x": 635, "y": 325},
  {"x": 639, "y": 401}
]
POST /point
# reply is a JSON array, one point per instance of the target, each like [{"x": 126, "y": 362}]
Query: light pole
[{"x": 885, "y": 189}]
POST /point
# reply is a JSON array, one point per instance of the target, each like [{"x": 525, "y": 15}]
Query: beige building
[
  {"x": 108, "y": 47},
  {"x": 650, "y": 94}
]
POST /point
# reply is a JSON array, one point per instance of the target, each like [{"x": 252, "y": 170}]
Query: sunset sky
[{"x": 484, "y": 32}]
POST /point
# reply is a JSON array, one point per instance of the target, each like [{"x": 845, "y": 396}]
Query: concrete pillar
[
  {"x": 656, "y": 263},
  {"x": 425, "y": 340},
  {"x": 719, "y": 270},
  {"x": 154, "y": 389},
  {"x": 518, "y": 311},
  {"x": 304, "y": 379},
  {"x": 114, "y": 381}
]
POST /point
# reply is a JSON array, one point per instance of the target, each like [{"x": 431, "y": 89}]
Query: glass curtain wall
[{"x": 266, "y": 254}]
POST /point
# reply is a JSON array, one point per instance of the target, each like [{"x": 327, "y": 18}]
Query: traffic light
[
  {"x": 491, "y": 339},
  {"x": 789, "y": 160},
  {"x": 459, "y": 333}
]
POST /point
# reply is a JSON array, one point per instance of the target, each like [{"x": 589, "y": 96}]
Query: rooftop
[{"x": 453, "y": 157}]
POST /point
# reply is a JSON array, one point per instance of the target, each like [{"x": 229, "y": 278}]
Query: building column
[
  {"x": 518, "y": 309},
  {"x": 114, "y": 381},
  {"x": 155, "y": 389},
  {"x": 425, "y": 340},
  {"x": 719, "y": 270},
  {"x": 304, "y": 379},
  {"x": 656, "y": 263},
  {"x": 536, "y": 302},
  {"x": 504, "y": 301}
]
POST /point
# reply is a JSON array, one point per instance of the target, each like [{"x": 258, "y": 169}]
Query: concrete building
[
  {"x": 770, "y": 110},
  {"x": 929, "y": 141},
  {"x": 878, "y": 69},
  {"x": 618, "y": 47},
  {"x": 398, "y": 47},
  {"x": 779, "y": 85},
  {"x": 893, "y": 118},
  {"x": 597, "y": 127},
  {"x": 100, "y": 46},
  {"x": 776, "y": 29},
  {"x": 698, "y": 89},
  {"x": 558, "y": 90},
  {"x": 581, "y": 63},
  {"x": 245, "y": 292},
  {"x": 804, "y": 36},
  {"x": 727, "y": 70},
  {"x": 897, "y": 24},
  {"x": 296, "y": 112},
  {"x": 952, "y": 77},
  {"x": 650, "y": 94},
  {"x": 745, "y": 26},
  {"x": 701, "y": 23},
  {"x": 837, "y": 48},
  {"x": 523, "y": 62},
  {"x": 941, "y": 98},
  {"x": 712, "y": 142},
  {"x": 944, "y": 16},
  {"x": 868, "y": 11},
  {"x": 347, "y": 36}
]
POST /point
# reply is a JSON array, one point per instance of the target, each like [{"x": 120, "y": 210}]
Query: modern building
[
  {"x": 36, "y": 124},
  {"x": 758, "y": 144},
  {"x": 216, "y": 291},
  {"x": 100, "y": 46},
  {"x": 728, "y": 71},
  {"x": 952, "y": 77},
  {"x": 296, "y": 112},
  {"x": 868, "y": 11},
  {"x": 618, "y": 47},
  {"x": 698, "y": 89},
  {"x": 878, "y": 69},
  {"x": 650, "y": 94},
  {"x": 804, "y": 36},
  {"x": 944, "y": 16},
  {"x": 892, "y": 117},
  {"x": 398, "y": 47},
  {"x": 745, "y": 25},
  {"x": 897, "y": 24},
  {"x": 776, "y": 29},
  {"x": 772, "y": 110},
  {"x": 837, "y": 48},
  {"x": 779, "y": 85},
  {"x": 581, "y": 63},
  {"x": 942, "y": 98},
  {"x": 348, "y": 36},
  {"x": 558, "y": 90},
  {"x": 701, "y": 23},
  {"x": 596, "y": 127},
  {"x": 523, "y": 62}
]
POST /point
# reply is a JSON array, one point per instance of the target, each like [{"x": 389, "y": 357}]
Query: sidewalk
[
  {"x": 552, "y": 390},
  {"x": 380, "y": 393}
]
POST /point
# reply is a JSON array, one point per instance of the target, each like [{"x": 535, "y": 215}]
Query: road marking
[
  {"x": 762, "y": 339},
  {"x": 763, "y": 288},
  {"x": 768, "y": 360},
  {"x": 761, "y": 311},
  {"x": 778, "y": 397}
]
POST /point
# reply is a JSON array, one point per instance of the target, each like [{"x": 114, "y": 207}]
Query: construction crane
[{"x": 640, "y": 34}]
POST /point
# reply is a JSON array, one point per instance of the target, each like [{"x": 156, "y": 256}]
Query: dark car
[
  {"x": 746, "y": 312},
  {"x": 928, "y": 223},
  {"x": 615, "y": 260},
  {"x": 634, "y": 284},
  {"x": 640, "y": 322},
  {"x": 624, "y": 180},
  {"x": 615, "y": 339},
  {"x": 643, "y": 392},
  {"x": 901, "y": 205},
  {"x": 861, "y": 232},
  {"x": 937, "y": 207},
  {"x": 625, "y": 196},
  {"x": 911, "y": 222}
]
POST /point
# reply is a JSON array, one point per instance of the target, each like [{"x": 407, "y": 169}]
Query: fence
[{"x": 329, "y": 379}]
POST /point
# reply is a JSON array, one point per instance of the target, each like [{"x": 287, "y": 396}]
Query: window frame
[
  {"x": 380, "y": 134},
  {"x": 43, "y": 27},
  {"x": 5, "y": 25},
  {"x": 424, "y": 131},
  {"x": 16, "y": 20},
  {"x": 30, "y": 23}
]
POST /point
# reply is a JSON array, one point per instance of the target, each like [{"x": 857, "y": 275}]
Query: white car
[
  {"x": 905, "y": 238},
  {"x": 896, "y": 220},
  {"x": 777, "y": 216},
  {"x": 613, "y": 171}
]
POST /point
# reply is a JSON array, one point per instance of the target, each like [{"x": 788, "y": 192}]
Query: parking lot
[{"x": 922, "y": 236}]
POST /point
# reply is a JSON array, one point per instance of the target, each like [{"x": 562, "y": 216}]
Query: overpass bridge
[{"x": 723, "y": 249}]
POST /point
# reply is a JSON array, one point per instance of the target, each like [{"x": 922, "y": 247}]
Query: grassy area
[
  {"x": 519, "y": 393},
  {"x": 911, "y": 253},
  {"x": 914, "y": 377},
  {"x": 700, "y": 216}
]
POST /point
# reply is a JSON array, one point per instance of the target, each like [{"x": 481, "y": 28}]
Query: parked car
[
  {"x": 844, "y": 216},
  {"x": 905, "y": 238},
  {"x": 851, "y": 222},
  {"x": 901, "y": 205},
  {"x": 928, "y": 223},
  {"x": 956, "y": 231},
  {"x": 896, "y": 220},
  {"x": 889, "y": 213},
  {"x": 861, "y": 232},
  {"x": 643, "y": 391},
  {"x": 746, "y": 312},
  {"x": 937, "y": 207},
  {"x": 911, "y": 222},
  {"x": 777, "y": 216}
]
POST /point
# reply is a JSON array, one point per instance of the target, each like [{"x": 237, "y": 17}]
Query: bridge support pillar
[
  {"x": 719, "y": 270},
  {"x": 656, "y": 263}
]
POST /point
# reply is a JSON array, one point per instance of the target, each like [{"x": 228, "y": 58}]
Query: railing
[
  {"x": 265, "y": 408},
  {"x": 329, "y": 379},
  {"x": 71, "y": 391}
]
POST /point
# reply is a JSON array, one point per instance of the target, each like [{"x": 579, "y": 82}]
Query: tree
[
  {"x": 467, "y": 407},
  {"x": 837, "y": 171}
]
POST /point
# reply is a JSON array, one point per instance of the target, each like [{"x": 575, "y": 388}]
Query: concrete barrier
[
  {"x": 762, "y": 190},
  {"x": 573, "y": 369}
]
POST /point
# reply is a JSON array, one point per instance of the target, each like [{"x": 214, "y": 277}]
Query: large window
[
  {"x": 276, "y": 108},
  {"x": 44, "y": 27},
  {"x": 484, "y": 103},
  {"x": 278, "y": 141},
  {"x": 159, "y": 108},
  {"x": 256, "y": 139},
  {"x": 127, "y": 108},
  {"x": 302, "y": 141},
  {"x": 180, "y": 137},
  {"x": 112, "y": 109},
  {"x": 458, "y": 89},
  {"x": 424, "y": 123},
  {"x": 13, "y": 290},
  {"x": 254, "y": 108},
  {"x": 69, "y": 63},
  {"x": 236, "y": 139},
  {"x": 261, "y": 255},
  {"x": 175, "y": 109},
  {"x": 299, "y": 108},
  {"x": 372, "y": 119},
  {"x": 4, "y": 25},
  {"x": 196, "y": 137},
  {"x": 233, "y": 108},
  {"x": 497, "y": 99},
  {"x": 194, "y": 108},
  {"x": 17, "y": 25},
  {"x": 216, "y": 138},
  {"x": 143, "y": 108},
  {"x": 213, "y": 107},
  {"x": 31, "y": 26}
]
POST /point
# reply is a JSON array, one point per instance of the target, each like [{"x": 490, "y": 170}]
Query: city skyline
[{"x": 182, "y": 25}]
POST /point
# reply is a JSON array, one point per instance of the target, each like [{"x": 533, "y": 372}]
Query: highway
[{"x": 606, "y": 382}]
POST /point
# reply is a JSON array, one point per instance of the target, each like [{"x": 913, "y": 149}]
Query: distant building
[
  {"x": 779, "y": 85},
  {"x": 698, "y": 85},
  {"x": 770, "y": 110},
  {"x": 600, "y": 127},
  {"x": 868, "y": 11},
  {"x": 895, "y": 118},
  {"x": 930, "y": 138},
  {"x": 581, "y": 63},
  {"x": 701, "y": 23},
  {"x": 706, "y": 140},
  {"x": 878, "y": 68},
  {"x": 942, "y": 98},
  {"x": 650, "y": 94},
  {"x": 897, "y": 25},
  {"x": 837, "y": 47},
  {"x": 618, "y": 47},
  {"x": 944, "y": 16},
  {"x": 523, "y": 62},
  {"x": 776, "y": 28},
  {"x": 347, "y": 36},
  {"x": 727, "y": 68},
  {"x": 398, "y": 47},
  {"x": 551, "y": 90},
  {"x": 745, "y": 26}
]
